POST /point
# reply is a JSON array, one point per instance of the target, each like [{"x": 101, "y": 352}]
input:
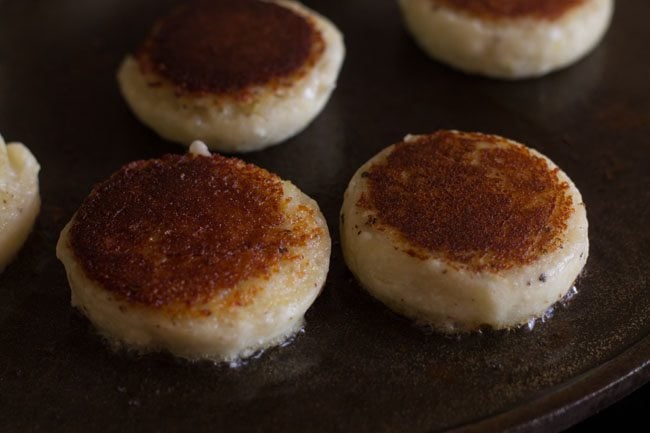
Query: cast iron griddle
[{"x": 357, "y": 367}]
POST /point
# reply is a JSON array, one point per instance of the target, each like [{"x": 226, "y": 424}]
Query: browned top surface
[
  {"x": 229, "y": 46},
  {"x": 494, "y": 9},
  {"x": 487, "y": 207},
  {"x": 181, "y": 229}
]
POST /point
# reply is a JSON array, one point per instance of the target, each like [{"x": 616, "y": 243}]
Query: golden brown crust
[
  {"x": 503, "y": 9},
  {"x": 229, "y": 47},
  {"x": 470, "y": 199},
  {"x": 180, "y": 230}
]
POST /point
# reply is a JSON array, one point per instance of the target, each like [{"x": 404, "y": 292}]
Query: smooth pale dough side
[
  {"x": 227, "y": 125},
  {"x": 20, "y": 201},
  {"x": 507, "y": 48},
  {"x": 229, "y": 332},
  {"x": 457, "y": 300}
]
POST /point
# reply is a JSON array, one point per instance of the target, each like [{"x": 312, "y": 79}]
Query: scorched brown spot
[
  {"x": 470, "y": 199},
  {"x": 503, "y": 9},
  {"x": 180, "y": 230},
  {"x": 230, "y": 46}
]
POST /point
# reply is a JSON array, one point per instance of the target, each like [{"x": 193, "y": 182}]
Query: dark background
[
  {"x": 629, "y": 414},
  {"x": 357, "y": 366}
]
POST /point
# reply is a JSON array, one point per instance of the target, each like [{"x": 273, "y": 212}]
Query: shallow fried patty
[
  {"x": 238, "y": 74},
  {"x": 20, "y": 200},
  {"x": 508, "y": 39},
  {"x": 461, "y": 230},
  {"x": 204, "y": 256}
]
